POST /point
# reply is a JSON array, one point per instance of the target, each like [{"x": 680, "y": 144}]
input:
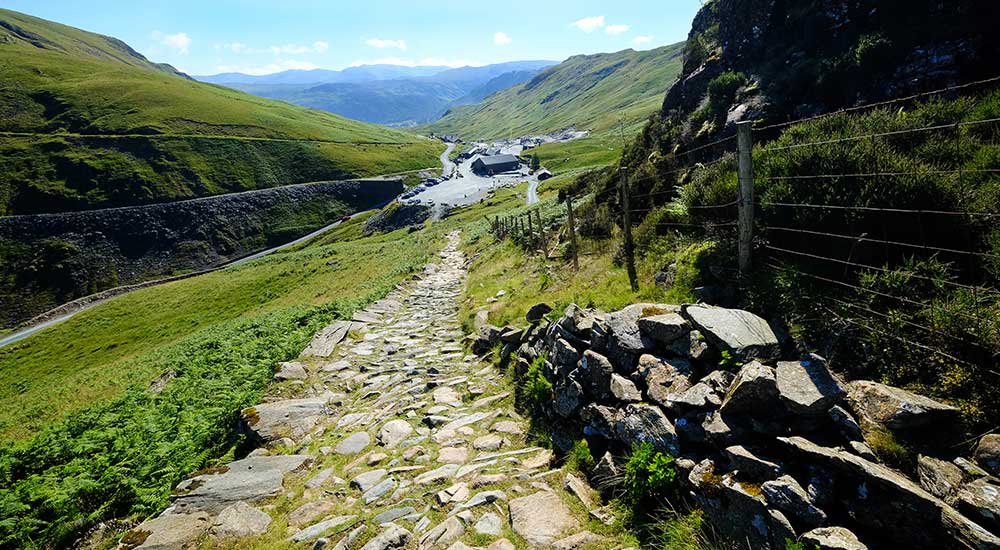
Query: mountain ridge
[
  {"x": 87, "y": 122},
  {"x": 585, "y": 91}
]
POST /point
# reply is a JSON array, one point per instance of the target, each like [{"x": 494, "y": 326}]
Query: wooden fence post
[
  {"x": 572, "y": 232},
  {"x": 531, "y": 232},
  {"x": 744, "y": 141},
  {"x": 541, "y": 234},
  {"x": 633, "y": 279}
]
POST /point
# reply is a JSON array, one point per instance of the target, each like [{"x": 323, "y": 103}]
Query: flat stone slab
[
  {"x": 292, "y": 418},
  {"x": 807, "y": 386},
  {"x": 896, "y": 408},
  {"x": 394, "y": 432},
  {"x": 250, "y": 480},
  {"x": 353, "y": 444},
  {"x": 326, "y": 340},
  {"x": 173, "y": 530},
  {"x": 739, "y": 332},
  {"x": 541, "y": 518}
]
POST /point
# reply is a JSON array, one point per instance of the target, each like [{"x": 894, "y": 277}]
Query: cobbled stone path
[{"x": 393, "y": 438}]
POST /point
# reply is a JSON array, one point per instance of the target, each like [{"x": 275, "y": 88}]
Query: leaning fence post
[
  {"x": 744, "y": 145},
  {"x": 572, "y": 232}
]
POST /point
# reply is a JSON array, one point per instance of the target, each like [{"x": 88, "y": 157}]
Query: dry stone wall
[{"x": 768, "y": 441}]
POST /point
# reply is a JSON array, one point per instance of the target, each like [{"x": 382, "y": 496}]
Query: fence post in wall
[
  {"x": 572, "y": 232},
  {"x": 744, "y": 145},
  {"x": 633, "y": 279}
]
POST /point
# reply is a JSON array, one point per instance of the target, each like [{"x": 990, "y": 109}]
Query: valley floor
[{"x": 382, "y": 436}]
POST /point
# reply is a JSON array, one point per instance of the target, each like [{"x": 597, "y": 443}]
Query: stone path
[{"x": 386, "y": 435}]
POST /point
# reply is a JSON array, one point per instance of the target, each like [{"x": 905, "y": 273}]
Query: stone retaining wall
[{"x": 768, "y": 441}]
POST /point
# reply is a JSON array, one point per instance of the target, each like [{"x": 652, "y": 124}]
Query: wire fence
[{"x": 872, "y": 222}]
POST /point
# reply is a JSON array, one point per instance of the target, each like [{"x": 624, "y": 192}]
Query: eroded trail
[{"x": 386, "y": 435}]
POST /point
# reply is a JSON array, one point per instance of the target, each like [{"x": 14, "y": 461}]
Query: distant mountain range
[{"x": 385, "y": 94}]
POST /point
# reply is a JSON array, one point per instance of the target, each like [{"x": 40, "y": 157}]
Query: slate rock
[
  {"x": 833, "y": 538},
  {"x": 393, "y": 536},
  {"x": 750, "y": 464},
  {"x": 394, "y": 432},
  {"x": 240, "y": 520},
  {"x": 537, "y": 312},
  {"x": 291, "y": 371},
  {"x": 896, "y": 408},
  {"x": 988, "y": 454},
  {"x": 365, "y": 481},
  {"x": 663, "y": 377},
  {"x": 169, "y": 531},
  {"x": 443, "y": 533},
  {"x": 664, "y": 329},
  {"x": 353, "y": 444},
  {"x": 595, "y": 372},
  {"x": 624, "y": 390},
  {"x": 646, "y": 423},
  {"x": 332, "y": 525},
  {"x": 567, "y": 398},
  {"x": 754, "y": 391},
  {"x": 564, "y": 355},
  {"x": 625, "y": 342},
  {"x": 489, "y": 524},
  {"x": 741, "y": 333},
  {"x": 980, "y": 502},
  {"x": 788, "y": 496},
  {"x": 250, "y": 480},
  {"x": 541, "y": 518},
  {"x": 888, "y": 502},
  {"x": 290, "y": 418},
  {"x": 393, "y": 514},
  {"x": 846, "y": 424},
  {"x": 577, "y": 321},
  {"x": 807, "y": 387},
  {"x": 938, "y": 477}
]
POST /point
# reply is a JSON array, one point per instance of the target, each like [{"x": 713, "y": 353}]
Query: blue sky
[{"x": 263, "y": 36}]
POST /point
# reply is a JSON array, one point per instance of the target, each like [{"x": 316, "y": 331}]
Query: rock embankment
[
  {"x": 768, "y": 441},
  {"x": 383, "y": 435},
  {"x": 54, "y": 258}
]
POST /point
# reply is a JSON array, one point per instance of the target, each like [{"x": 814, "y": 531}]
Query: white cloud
[
  {"x": 320, "y": 47},
  {"x": 290, "y": 49},
  {"x": 643, "y": 39},
  {"x": 276, "y": 67},
  {"x": 237, "y": 47},
  {"x": 501, "y": 39},
  {"x": 428, "y": 61},
  {"x": 384, "y": 43},
  {"x": 615, "y": 30},
  {"x": 589, "y": 24},
  {"x": 179, "y": 42}
]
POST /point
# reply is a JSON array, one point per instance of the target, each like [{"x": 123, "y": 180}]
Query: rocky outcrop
[
  {"x": 79, "y": 253},
  {"x": 770, "y": 446}
]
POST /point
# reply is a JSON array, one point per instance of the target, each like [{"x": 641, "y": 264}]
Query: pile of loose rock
[{"x": 770, "y": 443}]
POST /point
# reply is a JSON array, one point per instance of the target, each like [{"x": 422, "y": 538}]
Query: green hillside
[
  {"x": 85, "y": 121},
  {"x": 586, "y": 91}
]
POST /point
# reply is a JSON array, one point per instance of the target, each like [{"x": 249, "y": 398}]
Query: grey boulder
[
  {"x": 741, "y": 333},
  {"x": 788, "y": 496},
  {"x": 754, "y": 391},
  {"x": 833, "y": 538},
  {"x": 896, "y": 408},
  {"x": 807, "y": 387},
  {"x": 988, "y": 454}
]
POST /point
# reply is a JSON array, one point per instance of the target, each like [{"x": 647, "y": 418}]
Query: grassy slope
[
  {"x": 588, "y": 92},
  {"x": 169, "y": 133}
]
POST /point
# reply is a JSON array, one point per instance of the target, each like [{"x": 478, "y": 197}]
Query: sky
[{"x": 202, "y": 37}]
